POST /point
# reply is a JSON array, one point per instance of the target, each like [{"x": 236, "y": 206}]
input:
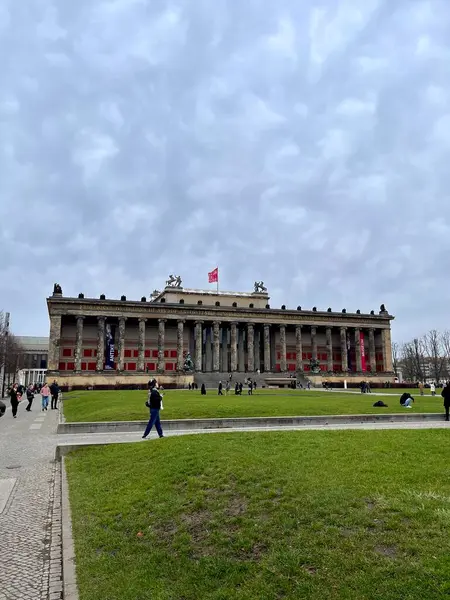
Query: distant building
[{"x": 35, "y": 351}]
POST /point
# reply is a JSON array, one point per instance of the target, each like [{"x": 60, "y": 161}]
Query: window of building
[
  {"x": 166, "y": 354},
  {"x": 67, "y": 352},
  {"x": 135, "y": 353},
  {"x": 131, "y": 366},
  {"x": 87, "y": 352},
  {"x": 62, "y": 366},
  {"x": 92, "y": 366},
  {"x": 173, "y": 354},
  {"x": 155, "y": 353},
  {"x": 71, "y": 366},
  {"x": 151, "y": 366},
  {"x": 170, "y": 367},
  {"x": 84, "y": 366},
  {"x": 147, "y": 354},
  {"x": 127, "y": 353}
]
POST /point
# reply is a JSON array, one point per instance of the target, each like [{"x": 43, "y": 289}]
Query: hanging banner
[
  {"x": 349, "y": 354},
  {"x": 109, "y": 343},
  {"x": 363, "y": 352}
]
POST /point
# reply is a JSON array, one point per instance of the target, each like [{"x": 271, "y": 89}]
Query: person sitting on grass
[{"x": 406, "y": 400}]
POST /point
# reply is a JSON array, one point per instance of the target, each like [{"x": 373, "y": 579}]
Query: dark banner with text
[{"x": 109, "y": 350}]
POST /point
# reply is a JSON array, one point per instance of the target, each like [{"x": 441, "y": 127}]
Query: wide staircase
[{"x": 211, "y": 380}]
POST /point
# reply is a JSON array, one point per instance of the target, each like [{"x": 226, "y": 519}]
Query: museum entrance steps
[{"x": 211, "y": 380}]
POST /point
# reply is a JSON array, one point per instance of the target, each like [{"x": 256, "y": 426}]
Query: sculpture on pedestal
[
  {"x": 57, "y": 289},
  {"x": 259, "y": 287},
  {"x": 315, "y": 366},
  {"x": 188, "y": 363},
  {"x": 174, "y": 281}
]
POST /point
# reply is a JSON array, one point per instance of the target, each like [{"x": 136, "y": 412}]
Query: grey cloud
[{"x": 304, "y": 146}]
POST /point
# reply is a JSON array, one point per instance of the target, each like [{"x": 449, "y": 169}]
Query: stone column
[
  {"x": 121, "y": 347},
  {"x": 198, "y": 346},
  {"x": 329, "y": 349},
  {"x": 283, "y": 348},
  {"x": 79, "y": 343},
  {"x": 100, "y": 343},
  {"x": 387, "y": 350},
  {"x": 298, "y": 349},
  {"x": 180, "y": 345},
  {"x": 224, "y": 349},
  {"x": 241, "y": 351},
  {"x": 208, "y": 349},
  {"x": 161, "y": 343},
  {"x": 54, "y": 343},
  {"x": 358, "y": 350},
  {"x": 141, "y": 346},
  {"x": 233, "y": 347},
  {"x": 216, "y": 346},
  {"x": 250, "y": 348},
  {"x": 314, "y": 342},
  {"x": 344, "y": 359},
  {"x": 257, "y": 346},
  {"x": 267, "y": 365},
  {"x": 372, "y": 352}
]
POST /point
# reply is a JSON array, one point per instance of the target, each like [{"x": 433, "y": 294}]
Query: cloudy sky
[{"x": 306, "y": 144}]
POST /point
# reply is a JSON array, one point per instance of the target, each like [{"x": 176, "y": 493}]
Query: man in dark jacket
[
  {"x": 446, "y": 395},
  {"x": 54, "y": 390},
  {"x": 154, "y": 404}
]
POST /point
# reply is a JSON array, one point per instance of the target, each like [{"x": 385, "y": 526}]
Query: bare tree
[
  {"x": 413, "y": 360},
  {"x": 12, "y": 354},
  {"x": 395, "y": 357},
  {"x": 434, "y": 351}
]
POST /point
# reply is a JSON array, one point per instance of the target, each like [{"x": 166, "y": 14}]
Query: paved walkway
[
  {"x": 28, "y": 567},
  {"x": 27, "y": 453}
]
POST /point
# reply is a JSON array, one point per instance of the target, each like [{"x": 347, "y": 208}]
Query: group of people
[{"x": 16, "y": 393}]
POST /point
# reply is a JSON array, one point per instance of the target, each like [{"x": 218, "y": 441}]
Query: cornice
[{"x": 145, "y": 310}]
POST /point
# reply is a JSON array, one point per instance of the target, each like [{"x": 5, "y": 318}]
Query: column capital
[
  {"x": 142, "y": 319},
  {"x": 162, "y": 320},
  {"x": 218, "y": 323},
  {"x": 181, "y": 321},
  {"x": 101, "y": 318},
  {"x": 250, "y": 324},
  {"x": 81, "y": 317},
  {"x": 199, "y": 322},
  {"x": 123, "y": 319}
]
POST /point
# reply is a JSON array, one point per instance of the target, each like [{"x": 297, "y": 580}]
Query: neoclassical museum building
[{"x": 181, "y": 335}]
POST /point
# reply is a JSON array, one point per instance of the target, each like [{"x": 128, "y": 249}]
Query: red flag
[{"x": 213, "y": 277}]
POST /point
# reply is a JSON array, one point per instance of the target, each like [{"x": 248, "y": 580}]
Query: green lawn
[
  {"x": 183, "y": 404},
  {"x": 260, "y": 516}
]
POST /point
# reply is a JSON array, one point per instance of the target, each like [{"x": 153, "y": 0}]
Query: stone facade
[{"x": 237, "y": 333}]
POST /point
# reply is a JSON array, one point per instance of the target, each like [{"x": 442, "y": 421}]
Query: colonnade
[{"x": 226, "y": 345}]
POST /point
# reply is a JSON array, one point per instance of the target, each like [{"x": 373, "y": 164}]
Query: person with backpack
[
  {"x": 154, "y": 403},
  {"x": 30, "y": 397},
  {"x": 446, "y": 395}
]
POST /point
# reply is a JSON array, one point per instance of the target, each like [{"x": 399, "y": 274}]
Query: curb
[
  {"x": 68, "y": 551},
  {"x": 238, "y": 423}
]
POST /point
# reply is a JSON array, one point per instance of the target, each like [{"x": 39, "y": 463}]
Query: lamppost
[{"x": 3, "y": 358}]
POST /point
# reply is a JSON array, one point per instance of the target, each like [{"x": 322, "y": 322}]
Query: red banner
[
  {"x": 363, "y": 352},
  {"x": 213, "y": 277}
]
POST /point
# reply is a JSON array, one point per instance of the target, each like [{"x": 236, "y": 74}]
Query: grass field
[
  {"x": 182, "y": 404},
  {"x": 260, "y": 516}
]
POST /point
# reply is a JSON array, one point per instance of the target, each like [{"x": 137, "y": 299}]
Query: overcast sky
[{"x": 305, "y": 144}]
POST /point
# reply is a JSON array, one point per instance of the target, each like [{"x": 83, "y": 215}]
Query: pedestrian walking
[
  {"x": 15, "y": 398},
  {"x": 421, "y": 388},
  {"x": 219, "y": 391},
  {"x": 203, "y": 390},
  {"x": 227, "y": 388},
  {"x": 250, "y": 388},
  {"x": 54, "y": 390},
  {"x": 446, "y": 395},
  {"x": 30, "y": 397},
  {"x": 433, "y": 389},
  {"x": 45, "y": 393},
  {"x": 155, "y": 404}
]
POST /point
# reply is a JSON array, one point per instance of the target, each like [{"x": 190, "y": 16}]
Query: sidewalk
[{"x": 27, "y": 452}]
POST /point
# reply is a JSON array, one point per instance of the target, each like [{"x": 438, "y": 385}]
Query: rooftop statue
[
  {"x": 57, "y": 289},
  {"x": 174, "y": 281},
  {"x": 259, "y": 287}
]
